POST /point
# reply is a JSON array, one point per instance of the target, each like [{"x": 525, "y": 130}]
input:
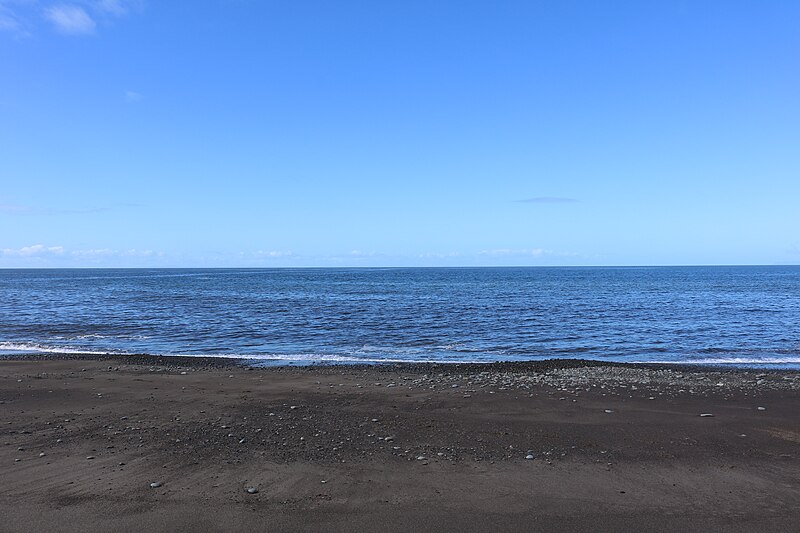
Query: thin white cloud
[
  {"x": 40, "y": 252},
  {"x": 116, "y": 8},
  {"x": 109, "y": 252},
  {"x": 36, "y": 250},
  {"x": 70, "y": 19},
  {"x": 274, "y": 253},
  {"x": 133, "y": 96},
  {"x": 20, "y": 18},
  {"x": 542, "y": 253},
  {"x": 439, "y": 255},
  {"x": 8, "y": 21},
  {"x": 500, "y": 252}
]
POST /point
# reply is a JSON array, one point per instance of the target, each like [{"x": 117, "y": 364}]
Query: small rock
[
  {"x": 608, "y": 410},
  {"x": 761, "y": 408},
  {"x": 155, "y": 484},
  {"x": 90, "y": 457},
  {"x": 252, "y": 490},
  {"x": 42, "y": 454},
  {"x": 706, "y": 414},
  {"x": 530, "y": 456}
]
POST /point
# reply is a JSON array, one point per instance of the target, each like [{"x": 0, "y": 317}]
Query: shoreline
[
  {"x": 395, "y": 447},
  {"x": 410, "y": 366}
]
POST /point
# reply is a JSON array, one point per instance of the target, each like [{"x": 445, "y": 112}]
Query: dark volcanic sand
[{"x": 313, "y": 442}]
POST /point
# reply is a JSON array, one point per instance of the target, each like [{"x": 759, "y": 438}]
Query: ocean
[{"x": 741, "y": 316}]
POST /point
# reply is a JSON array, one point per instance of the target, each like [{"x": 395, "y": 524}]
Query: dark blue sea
[{"x": 711, "y": 315}]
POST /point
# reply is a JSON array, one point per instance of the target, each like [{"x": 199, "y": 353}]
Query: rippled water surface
[{"x": 731, "y": 315}]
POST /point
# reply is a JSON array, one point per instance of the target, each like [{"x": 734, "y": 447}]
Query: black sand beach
[{"x": 143, "y": 443}]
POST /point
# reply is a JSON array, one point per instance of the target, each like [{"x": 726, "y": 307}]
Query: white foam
[
  {"x": 730, "y": 361},
  {"x": 29, "y": 347},
  {"x": 310, "y": 358},
  {"x": 26, "y": 347}
]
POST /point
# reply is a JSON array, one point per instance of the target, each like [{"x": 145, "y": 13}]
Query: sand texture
[{"x": 154, "y": 444}]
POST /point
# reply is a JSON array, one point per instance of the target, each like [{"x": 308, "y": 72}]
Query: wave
[
  {"x": 729, "y": 361},
  {"x": 316, "y": 357},
  {"x": 100, "y": 336},
  {"x": 377, "y": 355},
  {"x": 28, "y": 347}
]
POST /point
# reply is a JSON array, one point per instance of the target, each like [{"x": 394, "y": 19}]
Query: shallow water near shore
[{"x": 740, "y": 316}]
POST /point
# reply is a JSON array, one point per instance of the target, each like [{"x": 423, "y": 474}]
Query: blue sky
[{"x": 256, "y": 133}]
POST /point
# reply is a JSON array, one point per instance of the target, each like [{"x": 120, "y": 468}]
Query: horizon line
[{"x": 330, "y": 267}]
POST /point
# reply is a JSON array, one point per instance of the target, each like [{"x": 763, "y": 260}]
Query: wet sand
[{"x": 398, "y": 448}]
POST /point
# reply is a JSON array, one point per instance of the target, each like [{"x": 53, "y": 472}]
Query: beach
[{"x": 132, "y": 443}]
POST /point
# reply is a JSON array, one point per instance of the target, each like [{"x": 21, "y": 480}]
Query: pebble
[
  {"x": 761, "y": 408},
  {"x": 706, "y": 414},
  {"x": 421, "y": 458},
  {"x": 608, "y": 411},
  {"x": 252, "y": 490},
  {"x": 42, "y": 454},
  {"x": 89, "y": 457},
  {"x": 529, "y": 456},
  {"x": 155, "y": 484}
]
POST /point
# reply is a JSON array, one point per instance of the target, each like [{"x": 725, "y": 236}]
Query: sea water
[{"x": 710, "y": 315}]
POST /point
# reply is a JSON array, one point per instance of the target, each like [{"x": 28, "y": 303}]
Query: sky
[{"x": 240, "y": 133}]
